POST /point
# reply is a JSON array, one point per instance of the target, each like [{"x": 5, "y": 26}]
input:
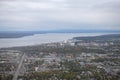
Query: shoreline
[
  {"x": 62, "y": 41},
  {"x": 12, "y": 35}
]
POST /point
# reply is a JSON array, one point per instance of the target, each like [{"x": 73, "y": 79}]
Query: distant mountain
[
  {"x": 82, "y": 31},
  {"x": 102, "y": 37},
  {"x": 17, "y": 34}
]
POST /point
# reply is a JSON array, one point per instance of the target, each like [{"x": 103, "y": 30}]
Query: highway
[{"x": 19, "y": 67}]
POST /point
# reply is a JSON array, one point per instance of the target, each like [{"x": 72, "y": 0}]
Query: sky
[{"x": 59, "y": 14}]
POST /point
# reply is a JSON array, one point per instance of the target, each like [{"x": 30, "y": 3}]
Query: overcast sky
[{"x": 59, "y": 14}]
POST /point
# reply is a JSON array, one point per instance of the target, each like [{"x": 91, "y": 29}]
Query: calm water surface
[{"x": 41, "y": 38}]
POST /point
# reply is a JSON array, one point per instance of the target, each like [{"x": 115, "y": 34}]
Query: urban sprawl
[{"x": 86, "y": 58}]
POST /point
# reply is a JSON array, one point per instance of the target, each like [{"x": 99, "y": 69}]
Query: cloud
[
  {"x": 57, "y": 14},
  {"x": 112, "y": 7},
  {"x": 32, "y": 5}
]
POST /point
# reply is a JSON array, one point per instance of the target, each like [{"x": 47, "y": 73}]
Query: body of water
[{"x": 42, "y": 38}]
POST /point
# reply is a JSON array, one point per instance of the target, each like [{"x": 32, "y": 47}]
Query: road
[{"x": 19, "y": 67}]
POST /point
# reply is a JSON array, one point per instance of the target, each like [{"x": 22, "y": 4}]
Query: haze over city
[
  {"x": 59, "y": 39},
  {"x": 27, "y": 15}
]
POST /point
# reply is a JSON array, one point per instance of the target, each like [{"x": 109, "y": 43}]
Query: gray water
[{"x": 41, "y": 38}]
